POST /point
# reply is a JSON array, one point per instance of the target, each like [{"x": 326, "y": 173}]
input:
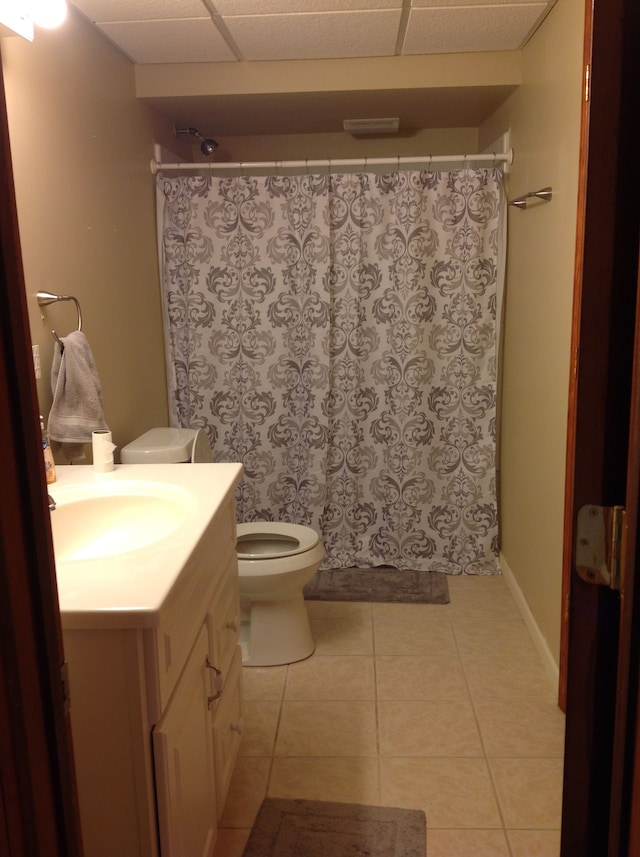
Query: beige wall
[
  {"x": 434, "y": 141},
  {"x": 81, "y": 145},
  {"x": 544, "y": 118}
]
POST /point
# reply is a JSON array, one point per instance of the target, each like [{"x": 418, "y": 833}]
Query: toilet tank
[{"x": 168, "y": 446}]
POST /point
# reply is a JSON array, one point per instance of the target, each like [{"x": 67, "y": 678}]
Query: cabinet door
[
  {"x": 224, "y": 618},
  {"x": 227, "y": 728},
  {"x": 185, "y": 775}
]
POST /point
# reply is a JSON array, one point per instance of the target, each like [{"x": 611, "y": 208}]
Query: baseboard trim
[{"x": 548, "y": 661}]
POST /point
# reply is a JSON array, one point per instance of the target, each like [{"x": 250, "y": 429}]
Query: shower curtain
[{"x": 337, "y": 334}]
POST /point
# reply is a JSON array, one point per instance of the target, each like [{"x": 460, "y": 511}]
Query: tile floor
[{"x": 440, "y": 708}]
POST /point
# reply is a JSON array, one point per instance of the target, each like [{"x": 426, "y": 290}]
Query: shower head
[{"x": 207, "y": 144}]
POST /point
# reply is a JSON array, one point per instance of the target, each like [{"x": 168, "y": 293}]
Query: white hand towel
[{"x": 76, "y": 411}]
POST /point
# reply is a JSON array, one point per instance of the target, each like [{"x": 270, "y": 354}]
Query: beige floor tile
[
  {"x": 534, "y": 843},
  {"x": 409, "y": 677},
  {"x": 477, "y": 636},
  {"x": 339, "y": 610},
  {"x": 488, "y": 603},
  {"x": 507, "y": 677},
  {"x": 263, "y": 682},
  {"x": 413, "y": 629},
  {"x": 466, "y": 843},
  {"x": 454, "y": 793},
  {"x": 434, "y": 666},
  {"x": 502, "y": 610},
  {"x": 230, "y": 843},
  {"x": 344, "y": 779},
  {"x": 332, "y": 677},
  {"x": 411, "y": 728},
  {"x": 342, "y": 636},
  {"x": 246, "y": 792},
  {"x": 529, "y": 792},
  {"x": 260, "y": 723},
  {"x": 521, "y": 728},
  {"x": 473, "y": 582},
  {"x": 327, "y": 728}
]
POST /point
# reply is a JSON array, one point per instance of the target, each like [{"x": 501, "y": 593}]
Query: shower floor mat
[
  {"x": 382, "y": 584},
  {"x": 308, "y": 828}
]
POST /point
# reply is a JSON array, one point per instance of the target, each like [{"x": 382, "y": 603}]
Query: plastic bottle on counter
[{"x": 49, "y": 463}]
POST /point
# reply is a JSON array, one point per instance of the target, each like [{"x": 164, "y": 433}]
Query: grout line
[
  {"x": 375, "y": 687},
  {"x": 480, "y": 735},
  {"x": 454, "y": 619}
]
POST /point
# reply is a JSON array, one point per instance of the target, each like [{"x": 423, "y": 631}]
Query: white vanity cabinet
[
  {"x": 196, "y": 741},
  {"x": 156, "y": 709}
]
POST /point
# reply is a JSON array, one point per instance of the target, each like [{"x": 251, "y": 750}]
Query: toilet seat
[{"x": 264, "y": 540}]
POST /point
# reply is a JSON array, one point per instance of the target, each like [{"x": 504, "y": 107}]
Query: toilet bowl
[{"x": 275, "y": 560}]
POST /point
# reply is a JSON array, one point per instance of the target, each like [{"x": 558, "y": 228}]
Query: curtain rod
[{"x": 157, "y": 166}]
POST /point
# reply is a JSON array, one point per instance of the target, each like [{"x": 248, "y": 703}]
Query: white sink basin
[
  {"x": 126, "y": 518},
  {"x": 124, "y": 540}
]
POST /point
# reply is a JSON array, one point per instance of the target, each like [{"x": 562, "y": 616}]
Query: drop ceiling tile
[
  {"x": 189, "y": 40},
  {"x": 312, "y": 36},
  {"x": 420, "y": 4},
  {"x": 470, "y": 29},
  {"x": 275, "y": 7},
  {"x": 140, "y": 10}
]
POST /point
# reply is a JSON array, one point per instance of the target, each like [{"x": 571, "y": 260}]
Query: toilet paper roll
[{"x": 102, "y": 451}]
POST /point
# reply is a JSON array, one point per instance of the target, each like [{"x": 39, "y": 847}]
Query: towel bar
[
  {"x": 544, "y": 195},
  {"x": 46, "y": 298}
]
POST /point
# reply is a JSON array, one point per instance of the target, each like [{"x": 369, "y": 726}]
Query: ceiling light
[
  {"x": 48, "y": 13},
  {"x": 371, "y": 126},
  {"x": 15, "y": 20}
]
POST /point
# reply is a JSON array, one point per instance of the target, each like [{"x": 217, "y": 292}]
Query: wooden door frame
[
  {"x": 38, "y": 807},
  {"x": 38, "y": 814},
  {"x": 598, "y": 626}
]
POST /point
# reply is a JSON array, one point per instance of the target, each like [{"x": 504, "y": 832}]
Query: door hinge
[
  {"x": 66, "y": 689},
  {"x": 599, "y": 549}
]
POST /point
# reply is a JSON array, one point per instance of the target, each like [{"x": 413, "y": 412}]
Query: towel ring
[{"x": 46, "y": 298}]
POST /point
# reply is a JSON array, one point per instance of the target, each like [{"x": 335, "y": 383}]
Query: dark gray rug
[
  {"x": 382, "y": 584},
  {"x": 308, "y": 828}
]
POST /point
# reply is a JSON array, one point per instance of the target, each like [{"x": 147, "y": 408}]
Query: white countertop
[{"x": 129, "y": 589}]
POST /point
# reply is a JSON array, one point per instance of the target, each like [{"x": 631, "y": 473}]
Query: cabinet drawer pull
[
  {"x": 217, "y": 683},
  {"x": 236, "y": 727}
]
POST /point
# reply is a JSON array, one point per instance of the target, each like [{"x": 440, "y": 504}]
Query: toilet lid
[{"x": 269, "y": 539}]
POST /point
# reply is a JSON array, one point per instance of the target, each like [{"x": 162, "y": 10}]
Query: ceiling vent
[{"x": 359, "y": 127}]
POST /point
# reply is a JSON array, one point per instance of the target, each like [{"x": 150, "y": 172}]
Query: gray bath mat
[
  {"x": 309, "y": 828},
  {"x": 378, "y": 584}
]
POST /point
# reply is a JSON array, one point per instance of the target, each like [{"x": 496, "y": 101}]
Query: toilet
[{"x": 275, "y": 560}]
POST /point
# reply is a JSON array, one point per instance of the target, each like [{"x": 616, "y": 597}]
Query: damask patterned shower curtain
[{"x": 337, "y": 334}]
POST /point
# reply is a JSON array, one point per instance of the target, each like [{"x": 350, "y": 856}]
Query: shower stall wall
[{"x": 337, "y": 334}]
